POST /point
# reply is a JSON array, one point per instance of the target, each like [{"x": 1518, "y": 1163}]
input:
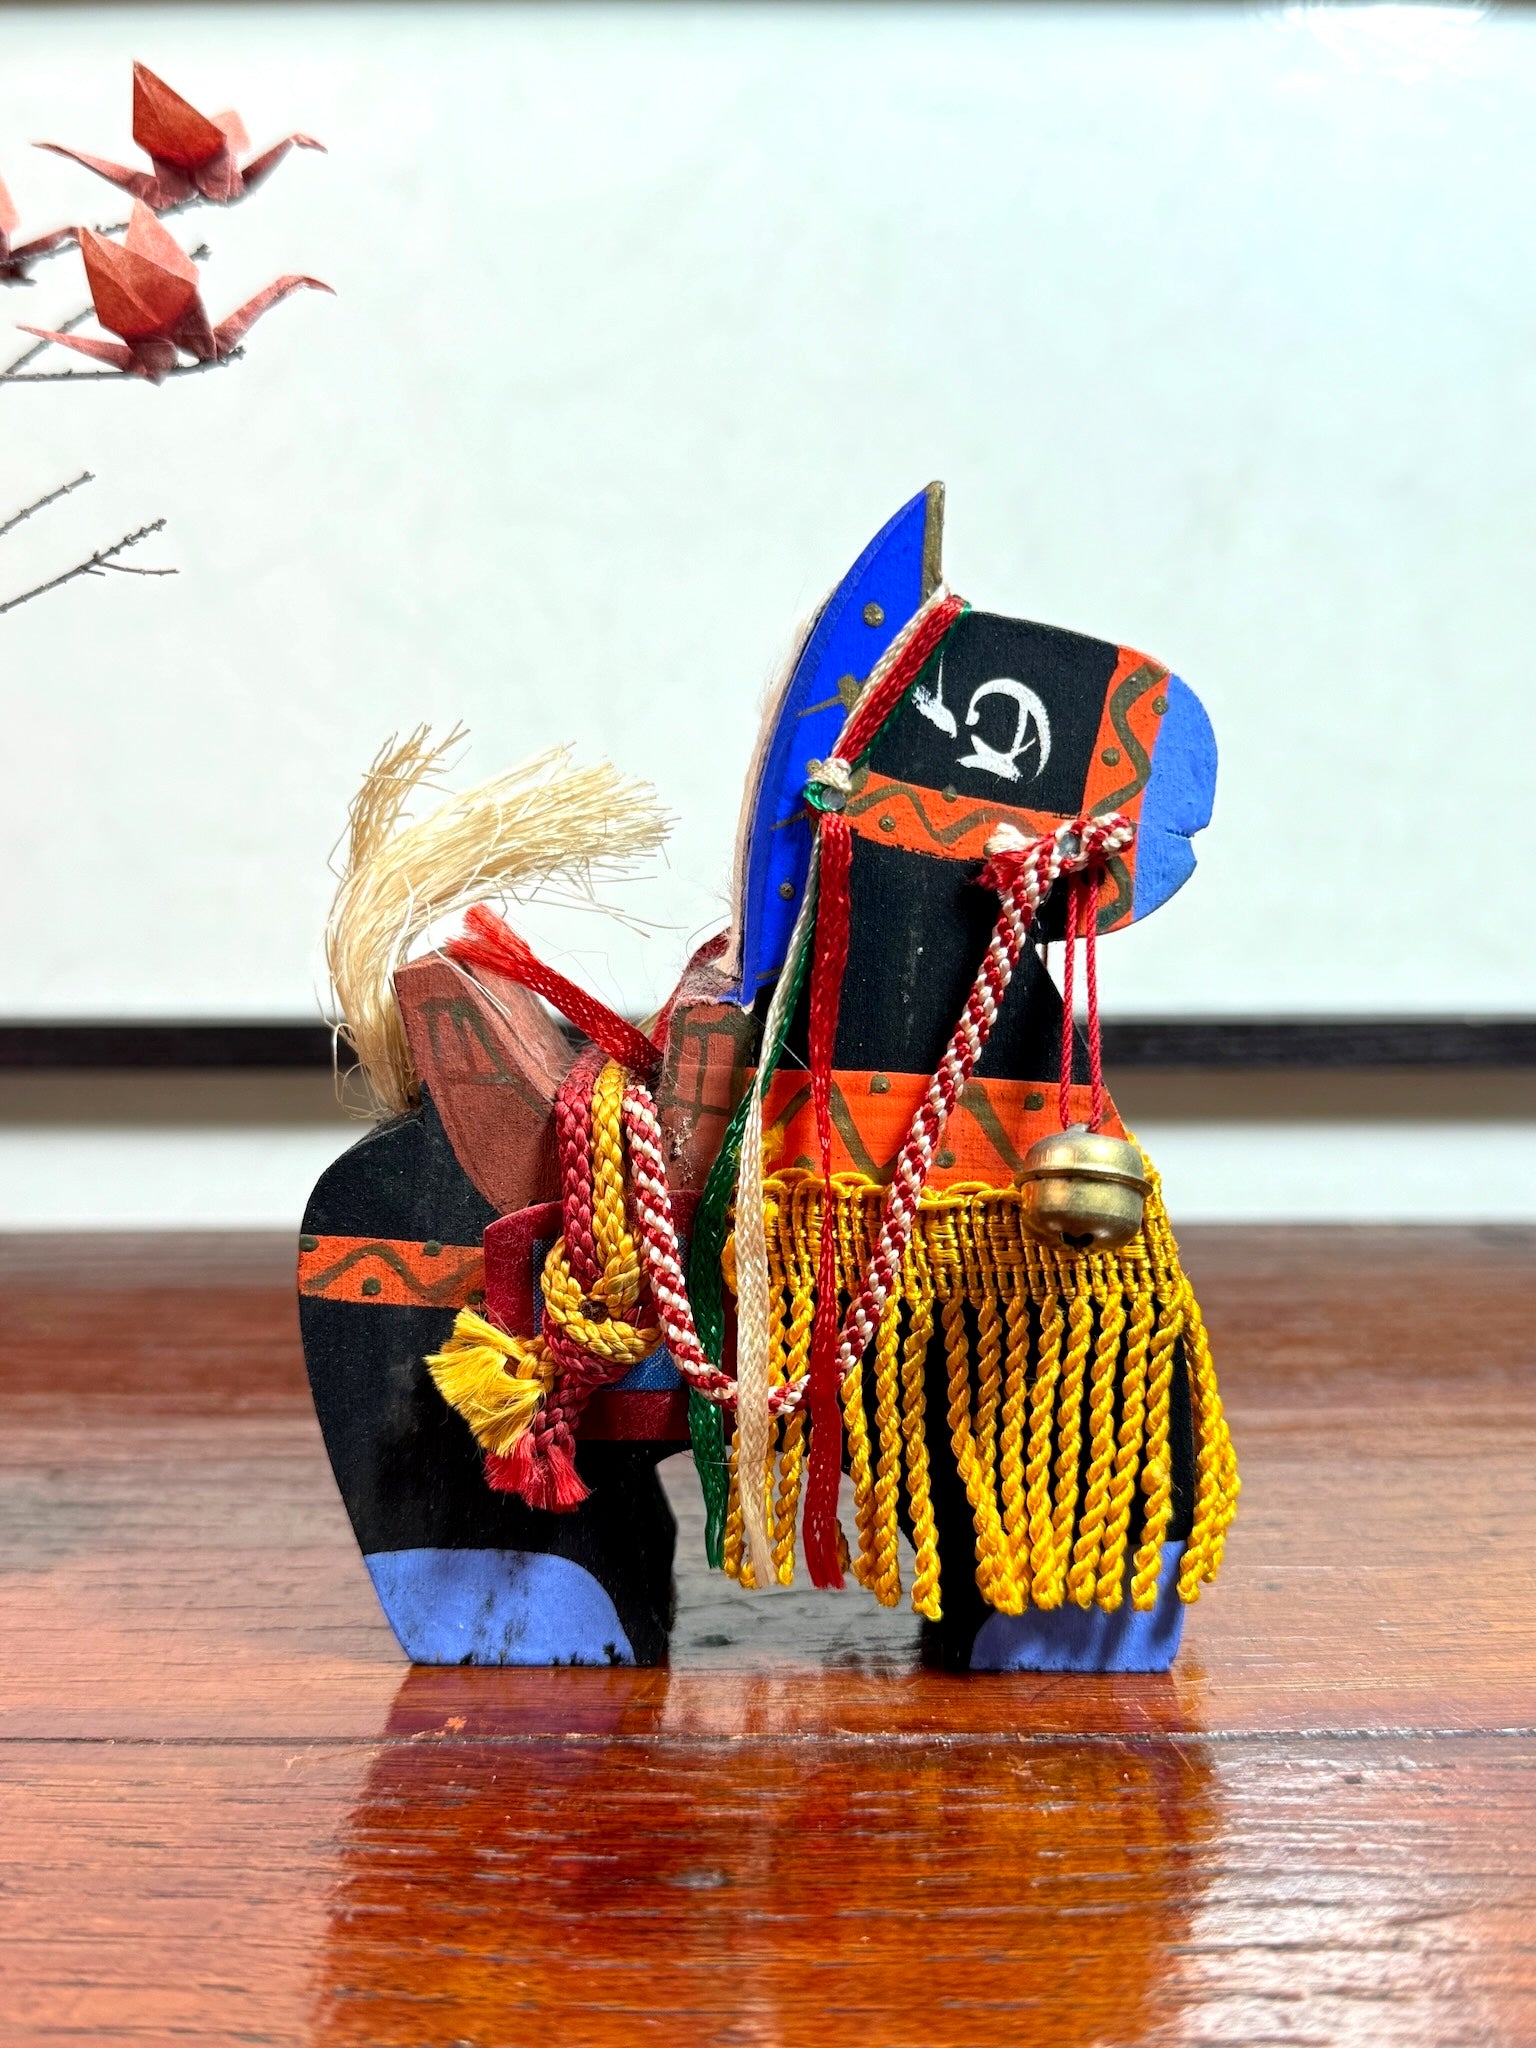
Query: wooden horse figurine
[{"x": 857, "y": 1202}]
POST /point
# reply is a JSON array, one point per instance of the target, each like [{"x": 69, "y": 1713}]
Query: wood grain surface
[{"x": 230, "y": 1813}]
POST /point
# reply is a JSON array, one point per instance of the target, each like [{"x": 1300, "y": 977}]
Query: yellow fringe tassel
[
  {"x": 495, "y": 1381},
  {"x": 1058, "y": 1377}
]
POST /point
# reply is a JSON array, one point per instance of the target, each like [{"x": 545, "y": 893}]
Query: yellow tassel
[
  {"x": 495, "y": 1381},
  {"x": 885, "y": 1576},
  {"x": 792, "y": 1282},
  {"x": 1083, "y": 1579},
  {"x": 989, "y": 1367},
  {"x": 736, "y": 1565},
  {"x": 918, "y": 1289},
  {"x": 1042, "y": 1548},
  {"x": 1040, "y": 1348},
  {"x": 1069, "y": 1438},
  {"x": 856, "y": 1435},
  {"x": 1216, "y": 1481},
  {"x": 1156, "y": 1468},
  {"x": 1122, "y": 1491},
  {"x": 1011, "y": 1461}
]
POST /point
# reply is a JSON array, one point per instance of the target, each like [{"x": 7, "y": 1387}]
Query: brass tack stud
[
  {"x": 887, "y": 823},
  {"x": 879, "y": 1084},
  {"x": 309, "y": 1244},
  {"x": 1034, "y": 1099},
  {"x": 432, "y": 1249},
  {"x": 1159, "y": 705},
  {"x": 786, "y": 890},
  {"x": 874, "y": 615},
  {"x": 949, "y": 792},
  {"x": 1110, "y": 757},
  {"x": 946, "y": 1158},
  {"x": 372, "y": 1285}
]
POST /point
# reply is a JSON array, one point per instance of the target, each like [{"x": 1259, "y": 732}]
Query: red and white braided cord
[
  {"x": 659, "y": 1252},
  {"x": 657, "y": 1232},
  {"x": 1023, "y": 872}
]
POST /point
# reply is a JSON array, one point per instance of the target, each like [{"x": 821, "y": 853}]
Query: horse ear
[{"x": 897, "y": 572}]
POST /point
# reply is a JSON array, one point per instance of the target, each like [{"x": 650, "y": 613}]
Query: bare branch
[
  {"x": 97, "y": 376},
  {"x": 101, "y": 560},
  {"x": 53, "y": 497}
]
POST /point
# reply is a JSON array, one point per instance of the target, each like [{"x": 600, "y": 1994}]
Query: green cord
[{"x": 706, "y": 1292}]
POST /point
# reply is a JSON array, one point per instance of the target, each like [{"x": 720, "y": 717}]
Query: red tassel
[
  {"x": 543, "y": 1473},
  {"x": 541, "y": 1466},
  {"x": 831, "y": 957},
  {"x": 492, "y": 944}
]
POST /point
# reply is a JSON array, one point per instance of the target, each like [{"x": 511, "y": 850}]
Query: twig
[
  {"x": 100, "y": 561},
  {"x": 53, "y": 497},
  {"x": 96, "y": 376}
]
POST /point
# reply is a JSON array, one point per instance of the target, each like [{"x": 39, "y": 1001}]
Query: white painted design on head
[
  {"x": 1033, "y": 729},
  {"x": 931, "y": 704}
]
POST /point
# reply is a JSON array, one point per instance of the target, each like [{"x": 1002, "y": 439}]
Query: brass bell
[{"x": 1083, "y": 1191}]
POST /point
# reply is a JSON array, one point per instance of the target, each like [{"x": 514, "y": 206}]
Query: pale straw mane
[{"x": 543, "y": 821}]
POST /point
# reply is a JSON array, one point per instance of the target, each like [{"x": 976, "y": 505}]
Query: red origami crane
[
  {"x": 15, "y": 256},
  {"x": 145, "y": 288},
  {"x": 192, "y": 154}
]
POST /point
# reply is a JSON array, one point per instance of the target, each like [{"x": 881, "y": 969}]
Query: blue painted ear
[
  {"x": 1177, "y": 801},
  {"x": 882, "y": 590}
]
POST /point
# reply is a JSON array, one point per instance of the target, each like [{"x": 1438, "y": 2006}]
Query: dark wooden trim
[
  {"x": 167, "y": 1046},
  {"x": 1320, "y": 1042},
  {"x": 1251, "y": 1042}
]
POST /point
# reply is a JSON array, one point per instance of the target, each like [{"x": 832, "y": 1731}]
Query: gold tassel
[
  {"x": 496, "y": 1382},
  {"x": 1065, "y": 1345},
  {"x": 918, "y": 1291}
]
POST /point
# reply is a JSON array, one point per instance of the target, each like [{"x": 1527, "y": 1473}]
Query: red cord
[
  {"x": 1082, "y": 922},
  {"x": 541, "y": 1466},
  {"x": 1068, "y": 1033},
  {"x": 827, "y": 966},
  {"x": 867, "y": 721},
  {"x": 573, "y": 1141},
  {"x": 492, "y": 944},
  {"x": 1090, "y": 904}
]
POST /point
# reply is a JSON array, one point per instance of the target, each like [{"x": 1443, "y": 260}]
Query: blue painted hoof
[
  {"x": 1085, "y": 1638},
  {"x": 496, "y": 1607}
]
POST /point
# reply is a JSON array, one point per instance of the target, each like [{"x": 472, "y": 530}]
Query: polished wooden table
[{"x": 230, "y": 1813}]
